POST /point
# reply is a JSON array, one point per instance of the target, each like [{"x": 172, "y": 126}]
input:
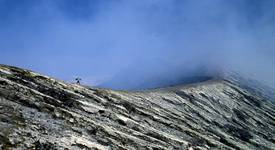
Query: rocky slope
[{"x": 38, "y": 112}]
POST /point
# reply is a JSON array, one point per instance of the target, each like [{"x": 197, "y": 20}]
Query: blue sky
[{"x": 122, "y": 41}]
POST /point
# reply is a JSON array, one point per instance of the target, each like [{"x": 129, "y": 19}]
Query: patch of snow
[{"x": 5, "y": 71}]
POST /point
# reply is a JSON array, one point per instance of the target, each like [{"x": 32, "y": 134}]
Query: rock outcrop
[{"x": 39, "y": 112}]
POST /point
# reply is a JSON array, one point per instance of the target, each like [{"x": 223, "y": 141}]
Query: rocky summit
[{"x": 39, "y": 112}]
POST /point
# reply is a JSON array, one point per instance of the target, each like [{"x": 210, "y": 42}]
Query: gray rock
[{"x": 38, "y": 112}]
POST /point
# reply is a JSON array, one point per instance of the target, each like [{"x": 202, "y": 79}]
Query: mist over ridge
[{"x": 138, "y": 43}]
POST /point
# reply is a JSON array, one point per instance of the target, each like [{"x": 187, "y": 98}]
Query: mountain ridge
[{"x": 39, "y": 112}]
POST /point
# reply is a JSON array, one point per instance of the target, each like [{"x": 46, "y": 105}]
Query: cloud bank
[{"x": 127, "y": 44}]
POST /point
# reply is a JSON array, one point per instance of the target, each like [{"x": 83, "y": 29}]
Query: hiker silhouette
[{"x": 77, "y": 80}]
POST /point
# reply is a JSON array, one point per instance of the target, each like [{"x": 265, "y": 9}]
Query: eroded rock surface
[{"x": 38, "y": 112}]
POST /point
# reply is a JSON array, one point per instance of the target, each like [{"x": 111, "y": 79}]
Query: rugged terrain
[{"x": 38, "y": 112}]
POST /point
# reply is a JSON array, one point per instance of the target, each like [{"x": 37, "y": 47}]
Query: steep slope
[{"x": 38, "y": 112}]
